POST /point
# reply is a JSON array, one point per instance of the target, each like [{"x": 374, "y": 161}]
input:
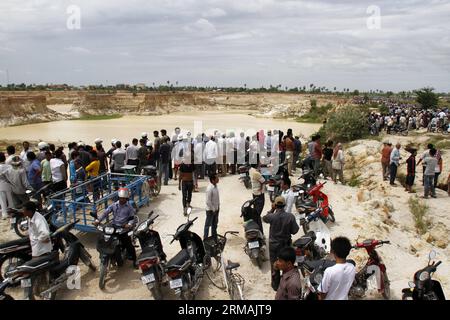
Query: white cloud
[
  {"x": 201, "y": 26},
  {"x": 78, "y": 50},
  {"x": 214, "y": 13}
]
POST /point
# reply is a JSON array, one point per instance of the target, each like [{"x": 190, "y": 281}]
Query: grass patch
[
  {"x": 355, "y": 180},
  {"x": 99, "y": 117},
  {"x": 315, "y": 114},
  {"x": 419, "y": 211}
]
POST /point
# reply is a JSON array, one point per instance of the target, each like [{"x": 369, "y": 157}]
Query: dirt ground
[{"x": 355, "y": 220}]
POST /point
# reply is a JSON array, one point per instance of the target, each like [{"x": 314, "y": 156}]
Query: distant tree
[{"x": 427, "y": 98}]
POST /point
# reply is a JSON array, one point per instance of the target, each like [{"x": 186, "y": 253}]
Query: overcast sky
[{"x": 229, "y": 43}]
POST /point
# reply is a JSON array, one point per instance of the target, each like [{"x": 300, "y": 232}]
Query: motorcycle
[
  {"x": 151, "y": 260},
  {"x": 17, "y": 252},
  {"x": 274, "y": 183},
  {"x": 154, "y": 182},
  {"x": 373, "y": 267},
  {"x": 186, "y": 269},
  {"x": 314, "y": 228},
  {"x": 244, "y": 175},
  {"x": 320, "y": 200},
  {"x": 424, "y": 287},
  {"x": 45, "y": 275},
  {"x": 19, "y": 222},
  {"x": 110, "y": 248},
  {"x": 308, "y": 247},
  {"x": 255, "y": 247}
]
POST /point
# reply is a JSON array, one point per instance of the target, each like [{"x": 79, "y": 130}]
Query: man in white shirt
[
  {"x": 338, "y": 279},
  {"x": 222, "y": 159},
  {"x": 39, "y": 231},
  {"x": 131, "y": 154},
  {"x": 288, "y": 195},
  {"x": 23, "y": 155},
  {"x": 211, "y": 154},
  {"x": 231, "y": 153},
  {"x": 258, "y": 182},
  {"x": 212, "y": 207}
]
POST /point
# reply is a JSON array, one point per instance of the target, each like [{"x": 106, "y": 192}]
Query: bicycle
[{"x": 230, "y": 281}]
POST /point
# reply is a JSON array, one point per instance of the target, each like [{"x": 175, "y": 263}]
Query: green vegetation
[
  {"x": 419, "y": 211},
  {"x": 439, "y": 142},
  {"x": 355, "y": 180},
  {"x": 99, "y": 117},
  {"x": 316, "y": 114},
  {"x": 346, "y": 124},
  {"x": 427, "y": 98}
]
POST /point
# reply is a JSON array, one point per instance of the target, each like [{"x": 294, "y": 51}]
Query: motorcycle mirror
[
  {"x": 411, "y": 284},
  {"x": 432, "y": 255}
]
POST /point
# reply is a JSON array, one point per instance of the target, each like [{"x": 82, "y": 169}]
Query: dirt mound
[{"x": 22, "y": 109}]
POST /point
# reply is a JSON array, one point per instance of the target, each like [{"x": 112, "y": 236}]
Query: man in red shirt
[
  {"x": 410, "y": 170},
  {"x": 385, "y": 159},
  {"x": 317, "y": 154}
]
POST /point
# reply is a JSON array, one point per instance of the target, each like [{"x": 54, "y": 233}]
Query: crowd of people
[{"x": 403, "y": 117}]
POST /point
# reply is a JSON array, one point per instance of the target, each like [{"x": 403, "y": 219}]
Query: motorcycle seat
[
  {"x": 305, "y": 240},
  {"x": 179, "y": 259},
  {"x": 42, "y": 261},
  {"x": 232, "y": 265},
  {"x": 14, "y": 243},
  {"x": 313, "y": 265},
  {"x": 251, "y": 225},
  {"x": 148, "y": 253}
]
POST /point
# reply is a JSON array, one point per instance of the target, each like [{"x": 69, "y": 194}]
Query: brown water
[{"x": 129, "y": 127}]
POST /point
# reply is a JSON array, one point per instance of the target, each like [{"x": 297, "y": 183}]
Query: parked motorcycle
[
  {"x": 373, "y": 267},
  {"x": 244, "y": 175},
  {"x": 423, "y": 287},
  {"x": 154, "y": 181},
  {"x": 17, "y": 252},
  {"x": 312, "y": 272},
  {"x": 255, "y": 247},
  {"x": 45, "y": 275},
  {"x": 152, "y": 259},
  {"x": 110, "y": 248},
  {"x": 319, "y": 199},
  {"x": 187, "y": 267},
  {"x": 308, "y": 247},
  {"x": 19, "y": 222}
]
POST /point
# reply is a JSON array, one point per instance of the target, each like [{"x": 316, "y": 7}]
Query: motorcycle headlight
[
  {"x": 425, "y": 275},
  {"x": 142, "y": 227},
  {"x": 109, "y": 230}
]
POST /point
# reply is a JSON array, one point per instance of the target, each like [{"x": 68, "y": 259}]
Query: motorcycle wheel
[
  {"x": 157, "y": 188},
  {"x": 8, "y": 264},
  {"x": 156, "y": 291},
  {"x": 21, "y": 232},
  {"x": 331, "y": 215},
  {"x": 86, "y": 258},
  {"x": 247, "y": 184},
  {"x": 103, "y": 272},
  {"x": 260, "y": 261},
  {"x": 387, "y": 287},
  {"x": 187, "y": 295}
]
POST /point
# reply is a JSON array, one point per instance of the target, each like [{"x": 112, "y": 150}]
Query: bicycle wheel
[
  {"x": 236, "y": 290},
  {"x": 214, "y": 274}
]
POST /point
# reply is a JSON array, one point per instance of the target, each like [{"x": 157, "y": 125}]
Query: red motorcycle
[
  {"x": 321, "y": 201},
  {"x": 373, "y": 267}
]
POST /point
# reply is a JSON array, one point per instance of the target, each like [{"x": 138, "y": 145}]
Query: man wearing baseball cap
[{"x": 282, "y": 226}]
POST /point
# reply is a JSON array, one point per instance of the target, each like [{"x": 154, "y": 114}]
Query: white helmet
[
  {"x": 81, "y": 144},
  {"x": 124, "y": 193},
  {"x": 149, "y": 143},
  {"x": 42, "y": 145},
  {"x": 98, "y": 141},
  {"x": 113, "y": 141},
  {"x": 144, "y": 134},
  {"x": 180, "y": 137}
]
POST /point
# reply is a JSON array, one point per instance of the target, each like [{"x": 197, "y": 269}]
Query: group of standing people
[{"x": 430, "y": 159}]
